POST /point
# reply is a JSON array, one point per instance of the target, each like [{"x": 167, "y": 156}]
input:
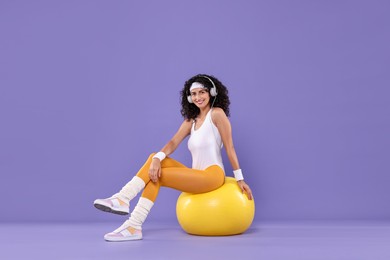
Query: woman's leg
[
  {"x": 179, "y": 178},
  {"x": 119, "y": 202},
  {"x": 174, "y": 175},
  {"x": 146, "y": 202},
  {"x": 186, "y": 180}
]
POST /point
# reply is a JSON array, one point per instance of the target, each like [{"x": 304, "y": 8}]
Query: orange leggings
[{"x": 178, "y": 176}]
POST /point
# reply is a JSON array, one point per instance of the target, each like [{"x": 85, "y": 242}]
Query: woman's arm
[
  {"x": 222, "y": 122},
  {"x": 169, "y": 148}
]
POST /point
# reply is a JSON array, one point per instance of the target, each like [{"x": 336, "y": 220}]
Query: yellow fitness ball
[{"x": 221, "y": 212}]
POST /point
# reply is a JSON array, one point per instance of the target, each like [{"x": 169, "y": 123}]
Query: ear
[{"x": 213, "y": 91}]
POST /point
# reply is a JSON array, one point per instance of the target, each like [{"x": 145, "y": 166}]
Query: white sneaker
[
  {"x": 111, "y": 205},
  {"x": 124, "y": 233}
]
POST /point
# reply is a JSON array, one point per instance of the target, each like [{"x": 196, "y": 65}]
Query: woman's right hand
[
  {"x": 155, "y": 170},
  {"x": 245, "y": 189}
]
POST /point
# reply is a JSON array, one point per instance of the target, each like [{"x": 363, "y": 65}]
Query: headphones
[{"x": 213, "y": 90}]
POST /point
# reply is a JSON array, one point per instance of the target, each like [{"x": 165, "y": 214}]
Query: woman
[{"x": 205, "y": 108}]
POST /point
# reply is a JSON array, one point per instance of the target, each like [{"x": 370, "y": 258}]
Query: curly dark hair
[{"x": 191, "y": 111}]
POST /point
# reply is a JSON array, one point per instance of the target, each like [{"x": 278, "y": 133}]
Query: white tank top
[{"x": 205, "y": 145}]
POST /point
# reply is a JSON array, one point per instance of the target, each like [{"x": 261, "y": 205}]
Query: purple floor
[{"x": 289, "y": 241}]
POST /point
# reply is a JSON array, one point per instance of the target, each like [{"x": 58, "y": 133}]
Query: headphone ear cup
[
  {"x": 213, "y": 91},
  {"x": 189, "y": 98}
]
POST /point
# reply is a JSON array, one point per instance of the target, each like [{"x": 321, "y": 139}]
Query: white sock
[
  {"x": 140, "y": 213},
  {"x": 130, "y": 190}
]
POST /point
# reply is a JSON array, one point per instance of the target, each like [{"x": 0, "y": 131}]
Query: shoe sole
[
  {"x": 123, "y": 239},
  {"x": 110, "y": 210}
]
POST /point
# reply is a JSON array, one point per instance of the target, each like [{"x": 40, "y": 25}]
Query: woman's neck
[{"x": 203, "y": 112}]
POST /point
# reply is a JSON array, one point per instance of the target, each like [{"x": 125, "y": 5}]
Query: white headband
[{"x": 196, "y": 85}]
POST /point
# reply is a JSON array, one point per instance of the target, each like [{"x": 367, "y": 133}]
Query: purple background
[{"x": 90, "y": 88}]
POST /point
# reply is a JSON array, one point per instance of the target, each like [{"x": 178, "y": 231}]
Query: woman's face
[{"x": 200, "y": 97}]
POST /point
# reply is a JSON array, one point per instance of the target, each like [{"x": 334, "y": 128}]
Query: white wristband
[
  {"x": 238, "y": 175},
  {"x": 160, "y": 155}
]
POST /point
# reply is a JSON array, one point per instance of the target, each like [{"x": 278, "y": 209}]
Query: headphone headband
[{"x": 212, "y": 82}]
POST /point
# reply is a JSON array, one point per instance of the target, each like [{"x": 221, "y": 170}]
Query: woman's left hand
[{"x": 245, "y": 188}]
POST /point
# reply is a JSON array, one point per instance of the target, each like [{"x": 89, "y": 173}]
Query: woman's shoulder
[
  {"x": 187, "y": 123},
  {"x": 218, "y": 114}
]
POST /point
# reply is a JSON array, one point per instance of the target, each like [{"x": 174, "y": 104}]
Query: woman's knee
[
  {"x": 215, "y": 169},
  {"x": 219, "y": 175}
]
